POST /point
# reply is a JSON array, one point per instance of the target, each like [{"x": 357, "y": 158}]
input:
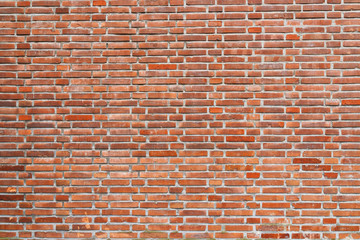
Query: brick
[{"x": 179, "y": 119}]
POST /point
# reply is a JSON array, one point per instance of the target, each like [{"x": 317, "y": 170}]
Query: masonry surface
[{"x": 180, "y": 119}]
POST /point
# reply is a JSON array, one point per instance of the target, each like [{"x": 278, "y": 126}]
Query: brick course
[{"x": 205, "y": 119}]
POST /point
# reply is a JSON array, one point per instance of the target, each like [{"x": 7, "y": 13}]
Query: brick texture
[{"x": 205, "y": 119}]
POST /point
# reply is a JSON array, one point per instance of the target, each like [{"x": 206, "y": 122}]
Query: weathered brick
[{"x": 179, "y": 119}]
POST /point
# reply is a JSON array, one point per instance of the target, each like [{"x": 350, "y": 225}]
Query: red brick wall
[{"x": 180, "y": 119}]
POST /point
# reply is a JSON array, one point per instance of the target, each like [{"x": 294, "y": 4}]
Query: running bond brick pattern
[{"x": 206, "y": 119}]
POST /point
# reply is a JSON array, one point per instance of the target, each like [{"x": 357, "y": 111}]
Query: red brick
[{"x": 163, "y": 119}]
